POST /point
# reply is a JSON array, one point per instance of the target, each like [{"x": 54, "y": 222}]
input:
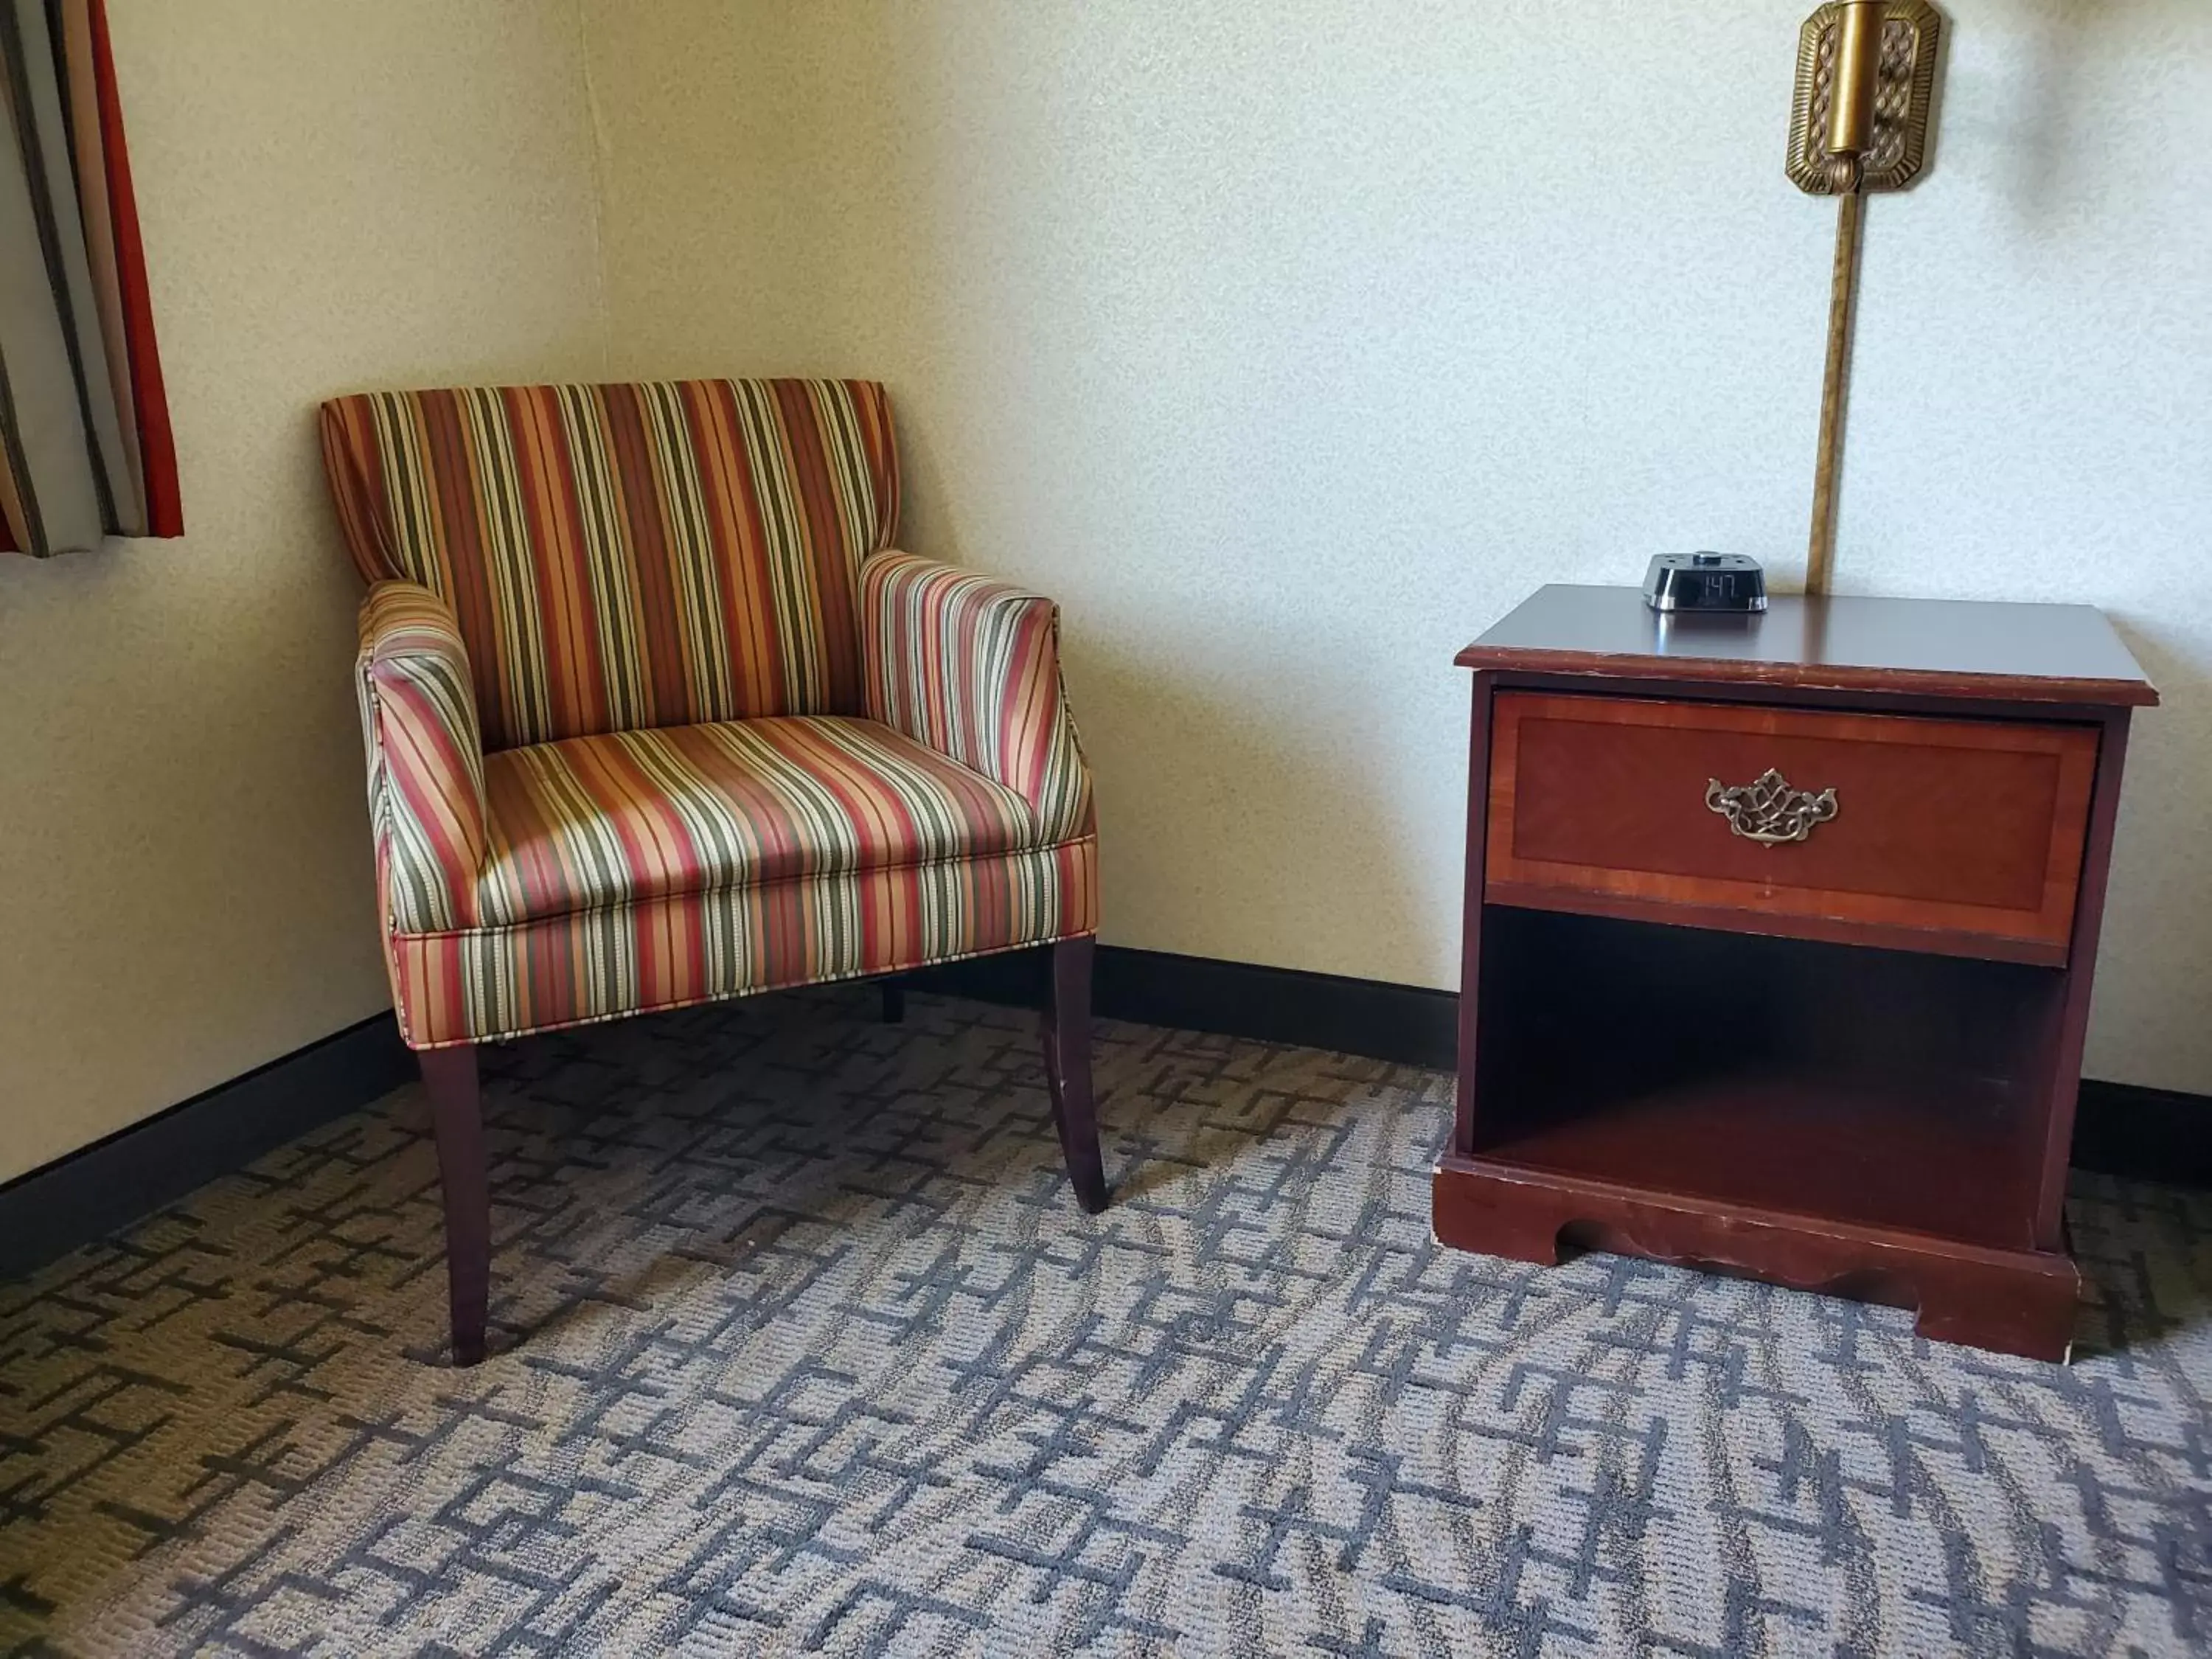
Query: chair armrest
[
  {"x": 426, "y": 795},
  {"x": 971, "y": 667}
]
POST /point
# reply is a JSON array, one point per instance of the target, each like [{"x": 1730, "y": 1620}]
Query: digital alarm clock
[{"x": 1705, "y": 581}]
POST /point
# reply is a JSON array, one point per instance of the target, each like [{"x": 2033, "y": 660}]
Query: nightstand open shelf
[
  {"x": 1830, "y": 1081},
  {"x": 1779, "y": 934}
]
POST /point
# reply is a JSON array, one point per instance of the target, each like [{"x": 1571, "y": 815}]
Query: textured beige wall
[
  {"x": 334, "y": 194},
  {"x": 1289, "y": 346}
]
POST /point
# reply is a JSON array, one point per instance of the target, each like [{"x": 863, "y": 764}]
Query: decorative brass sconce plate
[{"x": 1905, "y": 89}]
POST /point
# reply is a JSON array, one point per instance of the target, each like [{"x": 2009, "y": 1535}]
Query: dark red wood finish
[
  {"x": 2066, "y": 1015},
  {"x": 2064, "y": 654},
  {"x": 1470, "y": 961},
  {"x": 449, "y": 1076},
  {"x": 1679, "y": 1073},
  {"x": 1067, "y": 1023},
  {"x": 2011, "y": 1301},
  {"x": 1968, "y": 832}
]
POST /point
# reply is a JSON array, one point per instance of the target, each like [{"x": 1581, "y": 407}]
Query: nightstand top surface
[{"x": 2032, "y": 653}]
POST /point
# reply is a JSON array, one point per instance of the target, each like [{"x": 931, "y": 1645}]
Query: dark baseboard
[
  {"x": 1404, "y": 1023},
  {"x": 137, "y": 1170},
  {"x": 2150, "y": 1134},
  {"x": 2123, "y": 1129},
  {"x": 2120, "y": 1128}
]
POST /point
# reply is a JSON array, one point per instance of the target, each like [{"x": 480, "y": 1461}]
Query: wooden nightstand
[{"x": 1779, "y": 937}]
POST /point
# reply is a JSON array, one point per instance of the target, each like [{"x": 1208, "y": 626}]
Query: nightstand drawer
[{"x": 1958, "y": 835}]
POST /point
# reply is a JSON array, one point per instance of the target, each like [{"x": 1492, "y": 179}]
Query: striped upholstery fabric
[
  {"x": 971, "y": 667},
  {"x": 426, "y": 787},
  {"x": 626, "y": 557},
  {"x": 471, "y": 986},
  {"x": 655, "y": 716},
  {"x": 694, "y": 809}
]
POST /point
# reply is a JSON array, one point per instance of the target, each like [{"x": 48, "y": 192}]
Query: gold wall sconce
[{"x": 1866, "y": 80}]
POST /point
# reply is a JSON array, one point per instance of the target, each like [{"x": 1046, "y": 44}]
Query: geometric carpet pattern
[{"x": 801, "y": 1346}]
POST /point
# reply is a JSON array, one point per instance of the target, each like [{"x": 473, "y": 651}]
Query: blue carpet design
[{"x": 802, "y": 1347}]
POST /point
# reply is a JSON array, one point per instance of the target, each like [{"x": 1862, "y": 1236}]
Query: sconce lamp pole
[
  {"x": 1843, "y": 303},
  {"x": 1866, "y": 80},
  {"x": 1850, "y": 135}
]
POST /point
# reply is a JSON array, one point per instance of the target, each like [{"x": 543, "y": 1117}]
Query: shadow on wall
[
  {"x": 1214, "y": 857},
  {"x": 2161, "y": 882},
  {"x": 1214, "y": 807}
]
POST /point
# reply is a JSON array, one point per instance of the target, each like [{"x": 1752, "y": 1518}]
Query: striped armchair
[{"x": 657, "y": 716}]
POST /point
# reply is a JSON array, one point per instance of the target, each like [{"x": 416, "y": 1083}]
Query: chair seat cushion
[{"x": 589, "y": 823}]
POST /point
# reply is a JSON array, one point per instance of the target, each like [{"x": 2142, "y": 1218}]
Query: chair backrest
[{"x": 630, "y": 555}]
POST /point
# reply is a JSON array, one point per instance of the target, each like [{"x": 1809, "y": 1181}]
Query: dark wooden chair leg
[
  {"x": 1067, "y": 1069},
  {"x": 894, "y": 1003},
  {"x": 457, "y": 1117}
]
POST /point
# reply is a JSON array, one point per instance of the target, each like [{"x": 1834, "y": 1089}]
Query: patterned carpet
[{"x": 806, "y": 1349}]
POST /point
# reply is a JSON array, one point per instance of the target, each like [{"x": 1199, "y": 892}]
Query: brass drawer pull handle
[{"x": 1768, "y": 811}]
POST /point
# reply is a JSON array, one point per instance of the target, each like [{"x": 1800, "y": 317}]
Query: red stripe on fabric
[
  {"x": 349, "y": 441},
  {"x": 734, "y": 510},
  {"x": 550, "y": 978},
  {"x": 961, "y": 695},
  {"x": 881, "y": 907},
  {"x": 867, "y": 802},
  {"x": 531, "y": 835},
  {"x": 552, "y": 506},
  {"x": 763, "y": 812},
  {"x": 869, "y": 799},
  {"x": 874, "y": 404},
  {"x": 457, "y": 542},
  {"x": 837, "y": 619},
  {"x": 656, "y": 843},
  {"x": 157, "y": 444},
  {"x": 671, "y": 953},
  {"x": 440, "y": 1002},
  {"x": 1031, "y": 708},
  {"x": 662, "y": 642},
  {"x": 424, "y": 774}
]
